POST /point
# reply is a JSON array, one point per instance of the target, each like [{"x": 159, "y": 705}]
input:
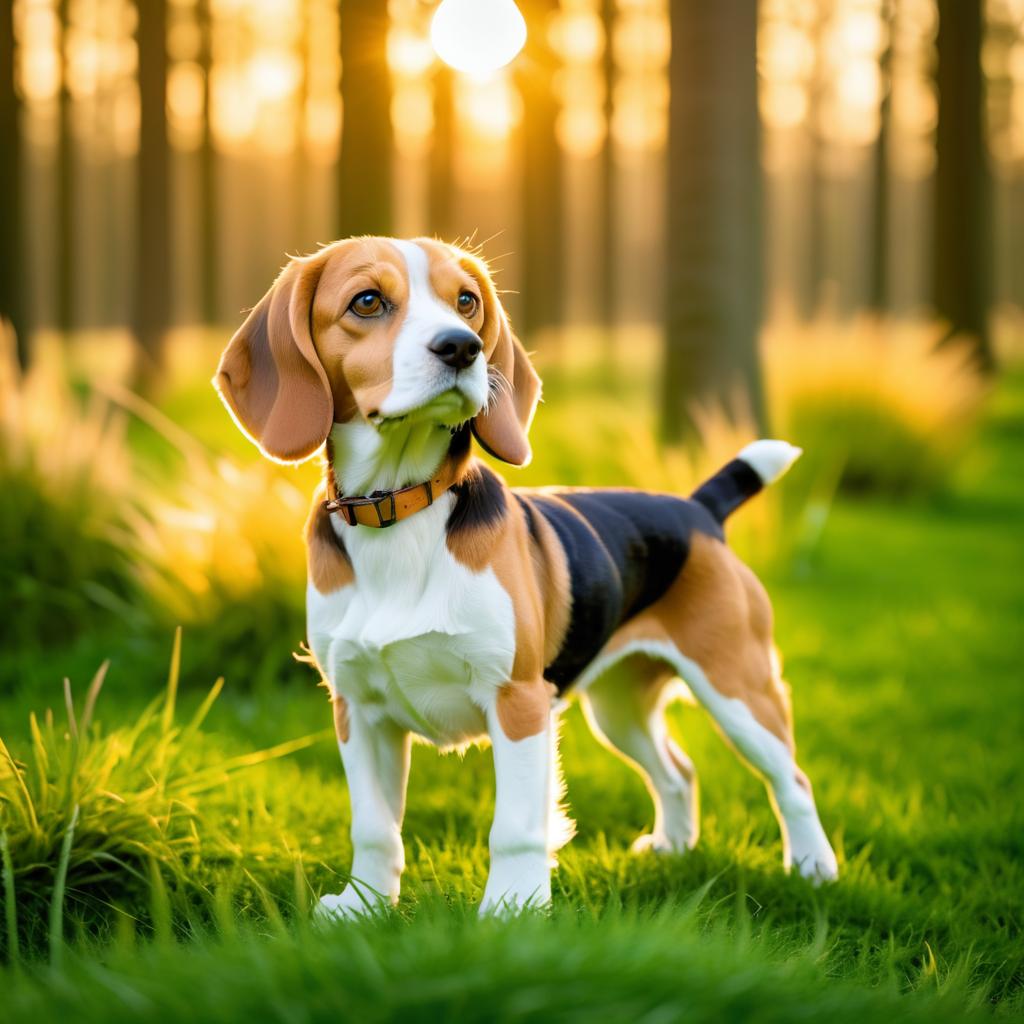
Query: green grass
[{"x": 901, "y": 628}]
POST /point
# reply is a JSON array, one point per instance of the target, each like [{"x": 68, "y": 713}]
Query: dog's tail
[{"x": 759, "y": 464}]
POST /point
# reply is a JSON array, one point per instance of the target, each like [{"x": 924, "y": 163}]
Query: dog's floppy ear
[
  {"x": 502, "y": 426},
  {"x": 270, "y": 376}
]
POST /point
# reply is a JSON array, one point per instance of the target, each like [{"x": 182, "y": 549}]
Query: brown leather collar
[{"x": 385, "y": 508}]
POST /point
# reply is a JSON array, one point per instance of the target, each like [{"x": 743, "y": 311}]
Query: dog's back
[{"x": 623, "y": 550}]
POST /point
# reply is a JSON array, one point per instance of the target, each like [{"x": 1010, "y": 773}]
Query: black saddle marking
[
  {"x": 479, "y": 500},
  {"x": 623, "y": 548}
]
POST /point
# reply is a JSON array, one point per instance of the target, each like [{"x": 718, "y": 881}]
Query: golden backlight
[{"x": 477, "y": 36}]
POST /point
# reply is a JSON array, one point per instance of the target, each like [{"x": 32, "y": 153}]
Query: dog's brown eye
[
  {"x": 467, "y": 304},
  {"x": 369, "y": 303}
]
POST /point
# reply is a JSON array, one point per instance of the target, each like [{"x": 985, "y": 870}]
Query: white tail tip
[{"x": 770, "y": 459}]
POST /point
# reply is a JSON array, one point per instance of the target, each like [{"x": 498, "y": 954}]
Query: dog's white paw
[
  {"x": 820, "y": 866},
  {"x": 513, "y": 903},
  {"x": 348, "y": 905},
  {"x": 660, "y": 843},
  {"x": 517, "y": 883},
  {"x": 812, "y": 856}
]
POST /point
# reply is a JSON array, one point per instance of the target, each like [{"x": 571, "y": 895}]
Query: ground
[{"x": 901, "y": 630}]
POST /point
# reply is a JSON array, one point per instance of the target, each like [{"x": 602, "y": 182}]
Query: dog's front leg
[
  {"x": 522, "y": 738},
  {"x": 376, "y": 759}
]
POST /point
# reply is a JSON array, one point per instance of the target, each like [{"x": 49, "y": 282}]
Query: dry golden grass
[
  {"x": 876, "y": 406},
  {"x": 197, "y": 535},
  {"x": 75, "y": 448},
  {"x": 879, "y": 404}
]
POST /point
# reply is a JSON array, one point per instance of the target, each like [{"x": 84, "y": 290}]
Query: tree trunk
[
  {"x": 541, "y": 300},
  {"x": 878, "y": 282},
  {"x": 962, "y": 257},
  {"x": 713, "y": 241},
  {"x": 608, "y": 232},
  {"x": 209, "y": 256},
  {"x": 364, "y": 164},
  {"x": 441, "y": 187},
  {"x": 65, "y": 212},
  {"x": 152, "y": 304},
  {"x": 13, "y": 258},
  {"x": 809, "y": 298},
  {"x": 300, "y": 156}
]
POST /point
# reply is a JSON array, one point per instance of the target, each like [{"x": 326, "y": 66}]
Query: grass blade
[
  {"x": 159, "y": 903},
  {"x": 57, "y": 900},
  {"x": 204, "y": 709},
  {"x": 26, "y": 797},
  {"x": 92, "y": 694},
  {"x": 172, "y": 682},
  {"x": 10, "y": 908},
  {"x": 69, "y": 703}
]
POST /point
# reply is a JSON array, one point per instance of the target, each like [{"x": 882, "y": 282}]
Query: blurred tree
[
  {"x": 962, "y": 268},
  {"x": 609, "y": 240},
  {"x": 878, "y": 282},
  {"x": 364, "y": 163},
  {"x": 152, "y": 299},
  {"x": 713, "y": 236},
  {"x": 300, "y": 156},
  {"x": 809, "y": 295},
  {"x": 65, "y": 212},
  {"x": 209, "y": 280},
  {"x": 541, "y": 294},
  {"x": 441, "y": 189},
  {"x": 13, "y": 258}
]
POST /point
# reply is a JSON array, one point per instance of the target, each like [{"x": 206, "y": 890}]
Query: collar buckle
[
  {"x": 383, "y": 504},
  {"x": 378, "y": 507}
]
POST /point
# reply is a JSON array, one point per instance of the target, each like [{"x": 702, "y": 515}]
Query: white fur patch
[
  {"x": 419, "y": 375},
  {"x": 417, "y": 637},
  {"x": 770, "y": 459},
  {"x": 804, "y": 842}
]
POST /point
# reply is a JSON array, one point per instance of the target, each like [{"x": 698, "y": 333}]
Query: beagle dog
[{"x": 444, "y": 605}]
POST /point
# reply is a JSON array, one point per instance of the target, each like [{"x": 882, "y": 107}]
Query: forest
[{"x": 708, "y": 222}]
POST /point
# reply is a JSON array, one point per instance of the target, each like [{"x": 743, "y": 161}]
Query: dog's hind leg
[
  {"x": 769, "y": 752},
  {"x": 720, "y": 627},
  {"x": 625, "y": 709}
]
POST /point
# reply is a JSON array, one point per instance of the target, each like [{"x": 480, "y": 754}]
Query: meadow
[{"x": 168, "y": 818}]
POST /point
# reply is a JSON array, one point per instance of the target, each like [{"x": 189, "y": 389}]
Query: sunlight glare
[{"x": 477, "y": 36}]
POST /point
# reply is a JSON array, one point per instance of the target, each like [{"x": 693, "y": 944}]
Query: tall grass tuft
[
  {"x": 97, "y": 819},
  {"x": 218, "y": 549},
  {"x": 879, "y": 405},
  {"x": 66, "y": 477},
  {"x": 103, "y": 530}
]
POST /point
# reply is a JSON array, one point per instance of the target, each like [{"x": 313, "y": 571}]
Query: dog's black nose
[{"x": 456, "y": 348}]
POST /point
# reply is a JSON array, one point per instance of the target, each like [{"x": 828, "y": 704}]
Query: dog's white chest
[{"x": 418, "y": 637}]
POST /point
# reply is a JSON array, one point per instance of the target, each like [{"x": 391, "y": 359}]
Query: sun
[{"x": 477, "y": 36}]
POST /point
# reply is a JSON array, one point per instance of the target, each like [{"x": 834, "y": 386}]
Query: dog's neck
[{"x": 365, "y": 459}]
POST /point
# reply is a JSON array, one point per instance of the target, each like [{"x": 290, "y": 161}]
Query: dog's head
[{"x": 382, "y": 330}]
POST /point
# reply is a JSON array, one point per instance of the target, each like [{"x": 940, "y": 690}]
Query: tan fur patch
[
  {"x": 341, "y": 720},
  {"x": 551, "y": 570},
  {"x": 718, "y": 614},
  {"x": 505, "y": 547},
  {"x": 474, "y": 546},
  {"x": 326, "y": 562},
  {"x": 356, "y": 352},
  {"x": 524, "y": 708},
  {"x": 450, "y": 275},
  {"x": 510, "y": 560}
]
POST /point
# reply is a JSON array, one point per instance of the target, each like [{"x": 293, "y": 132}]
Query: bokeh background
[
  {"x": 641, "y": 163},
  {"x": 710, "y": 221}
]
